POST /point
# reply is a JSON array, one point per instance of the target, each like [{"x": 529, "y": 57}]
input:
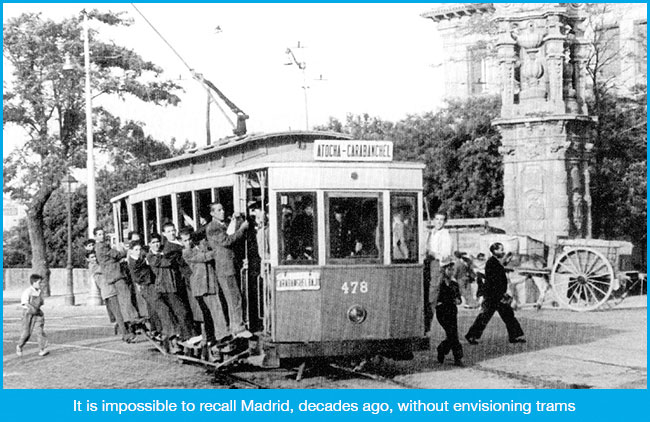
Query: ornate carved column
[
  {"x": 545, "y": 152},
  {"x": 507, "y": 54}
]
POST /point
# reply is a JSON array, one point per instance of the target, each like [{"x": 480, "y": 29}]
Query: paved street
[{"x": 605, "y": 349}]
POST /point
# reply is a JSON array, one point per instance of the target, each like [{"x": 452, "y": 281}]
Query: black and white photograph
[{"x": 325, "y": 196}]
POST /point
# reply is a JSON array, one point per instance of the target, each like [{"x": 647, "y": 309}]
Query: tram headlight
[{"x": 357, "y": 314}]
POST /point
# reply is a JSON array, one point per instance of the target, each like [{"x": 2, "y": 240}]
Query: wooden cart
[{"x": 583, "y": 274}]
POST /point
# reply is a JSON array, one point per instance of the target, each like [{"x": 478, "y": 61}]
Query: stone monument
[{"x": 544, "y": 120}]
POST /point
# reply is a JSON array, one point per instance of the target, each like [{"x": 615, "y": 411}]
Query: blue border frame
[{"x": 54, "y": 405}]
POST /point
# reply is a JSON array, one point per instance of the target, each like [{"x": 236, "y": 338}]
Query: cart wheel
[{"x": 582, "y": 278}]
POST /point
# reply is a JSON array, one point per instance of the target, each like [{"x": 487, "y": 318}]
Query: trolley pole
[
  {"x": 305, "y": 88},
  {"x": 302, "y": 66}
]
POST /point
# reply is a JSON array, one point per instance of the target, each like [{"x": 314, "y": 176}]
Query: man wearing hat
[
  {"x": 447, "y": 313},
  {"x": 496, "y": 300}
]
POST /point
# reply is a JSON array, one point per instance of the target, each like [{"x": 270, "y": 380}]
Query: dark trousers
[
  {"x": 447, "y": 316},
  {"x": 230, "y": 288},
  {"x": 113, "y": 306},
  {"x": 144, "y": 309},
  {"x": 506, "y": 313},
  {"x": 161, "y": 309},
  {"x": 432, "y": 276},
  {"x": 180, "y": 315},
  {"x": 149, "y": 296},
  {"x": 125, "y": 299},
  {"x": 33, "y": 323},
  {"x": 111, "y": 317},
  {"x": 215, "y": 320}
]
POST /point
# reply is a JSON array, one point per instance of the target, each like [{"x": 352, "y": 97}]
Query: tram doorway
[{"x": 254, "y": 252}]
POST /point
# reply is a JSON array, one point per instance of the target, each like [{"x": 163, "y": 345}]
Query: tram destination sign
[
  {"x": 302, "y": 280},
  {"x": 353, "y": 150}
]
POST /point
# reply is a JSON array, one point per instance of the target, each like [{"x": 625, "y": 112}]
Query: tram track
[
  {"x": 372, "y": 376},
  {"x": 235, "y": 377}
]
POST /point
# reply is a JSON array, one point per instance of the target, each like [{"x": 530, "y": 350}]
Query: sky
[{"x": 378, "y": 59}]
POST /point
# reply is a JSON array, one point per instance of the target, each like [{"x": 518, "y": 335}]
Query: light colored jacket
[
  {"x": 203, "y": 279},
  {"x": 106, "y": 290},
  {"x": 222, "y": 244},
  {"x": 109, "y": 259}
]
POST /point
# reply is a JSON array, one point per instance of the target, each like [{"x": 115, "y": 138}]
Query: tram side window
[
  {"x": 297, "y": 228},
  {"x": 123, "y": 220},
  {"x": 166, "y": 215},
  {"x": 403, "y": 221},
  {"x": 203, "y": 201},
  {"x": 138, "y": 219},
  {"x": 355, "y": 229},
  {"x": 224, "y": 196},
  {"x": 152, "y": 221},
  {"x": 185, "y": 210}
]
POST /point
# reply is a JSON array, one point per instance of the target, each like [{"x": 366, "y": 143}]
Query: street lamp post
[
  {"x": 94, "y": 297},
  {"x": 69, "y": 186},
  {"x": 90, "y": 159}
]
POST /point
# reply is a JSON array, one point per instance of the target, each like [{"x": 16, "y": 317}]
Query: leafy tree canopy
[
  {"x": 48, "y": 102},
  {"x": 463, "y": 173},
  {"x": 127, "y": 167}
]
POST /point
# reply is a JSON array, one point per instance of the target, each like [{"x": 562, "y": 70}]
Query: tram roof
[
  {"x": 232, "y": 145},
  {"x": 236, "y": 142}
]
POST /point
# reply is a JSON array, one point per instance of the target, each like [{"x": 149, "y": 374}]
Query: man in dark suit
[
  {"x": 222, "y": 244},
  {"x": 143, "y": 278},
  {"x": 173, "y": 251},
  {"x": 496, "y": 300},
  {"x": 167, "y": 288}
]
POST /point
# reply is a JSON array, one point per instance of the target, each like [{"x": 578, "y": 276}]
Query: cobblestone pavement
[{"x": 565, "y": 350}]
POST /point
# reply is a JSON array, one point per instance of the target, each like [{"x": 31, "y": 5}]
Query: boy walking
[
  {"x": 447, "y": 313},
  {"x": 33, "y": 320}
]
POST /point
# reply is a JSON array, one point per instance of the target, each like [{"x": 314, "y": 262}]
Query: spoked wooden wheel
[{"x": 582, "y": 278}]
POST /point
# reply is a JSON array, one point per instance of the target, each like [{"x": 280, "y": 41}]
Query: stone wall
[{"x": 14, "y": 280}]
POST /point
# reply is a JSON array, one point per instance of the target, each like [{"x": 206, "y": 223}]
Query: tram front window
[
  {"x": 355, "y": 230},
  {"x": 297, "y": 222}
]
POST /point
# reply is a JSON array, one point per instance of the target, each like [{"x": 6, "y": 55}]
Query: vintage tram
[{"x": 334, "y": 267}]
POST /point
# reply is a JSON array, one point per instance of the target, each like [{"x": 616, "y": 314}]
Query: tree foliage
[
  {"x": 128, "y": 166},
  {"x": 49, "y": 105},
  {"x": 619, "y": 168},
  {"x": 463, "y": 173}
]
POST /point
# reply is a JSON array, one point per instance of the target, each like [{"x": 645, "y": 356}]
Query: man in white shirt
[{"x": 439, "y": 248}]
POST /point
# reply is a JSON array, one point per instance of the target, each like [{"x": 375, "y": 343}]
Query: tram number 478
[{"x": 354, "y": 287}]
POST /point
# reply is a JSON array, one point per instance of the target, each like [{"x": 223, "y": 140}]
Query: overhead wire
[{"x": 192, "y": 71}]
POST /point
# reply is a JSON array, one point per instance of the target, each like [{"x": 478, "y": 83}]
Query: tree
[
  {"x": 128, "y": 165},
  {"x": 15, "y": 246},
  {"x": 618, "y": 171},
  {"x": 49, "y": 106},
  {"x": 619, "y": 135},
  {"x": 463, "y": 173}
]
